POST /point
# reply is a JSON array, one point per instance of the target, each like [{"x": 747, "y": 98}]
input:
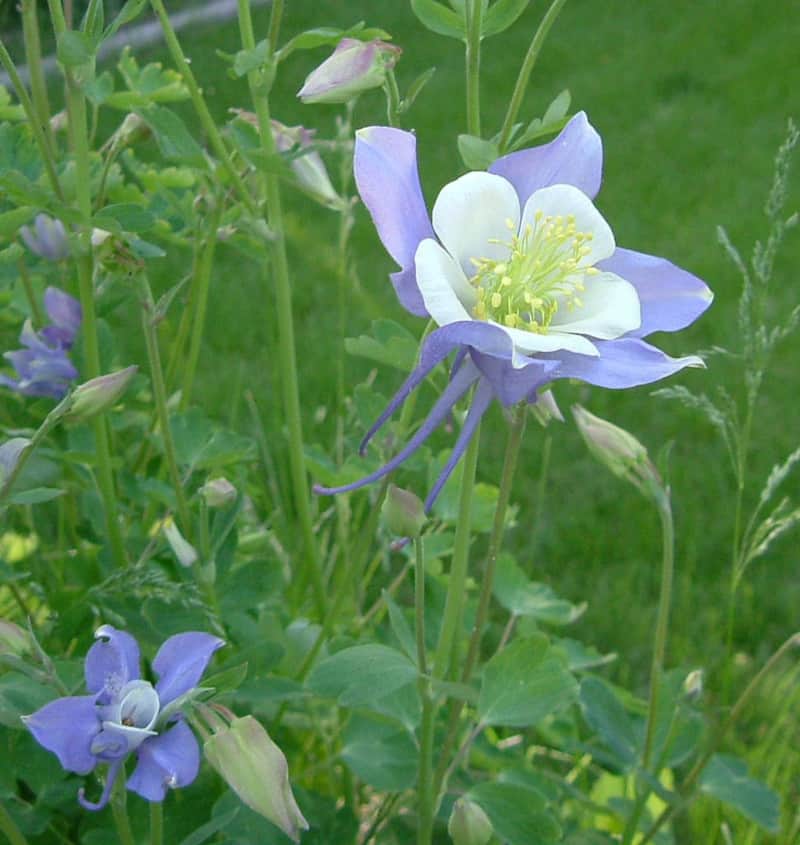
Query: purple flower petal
[
  {"x": 627, "y": 362},
  {"x": 165, "y": 762},
  {"x": 181, "y": 661},
  {"x": 67, "y": 727},
  {"x": 64, "y": 312},
  {"x": 112, "y": 661},
  {"x": 480, "y": 402},
  {"x": 671, "y": 298},
  {"x": 385, "y": 165},
  {"x": 513, "y": 384},
  {"x": 575, "y": 157},
  {"x": 461, "y": 382}
]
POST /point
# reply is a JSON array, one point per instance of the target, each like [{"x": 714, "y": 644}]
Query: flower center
[{"x": 544, "y": 271}]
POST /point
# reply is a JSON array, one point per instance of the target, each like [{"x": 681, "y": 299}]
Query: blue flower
[
  {"x": 124, "y": 714},
  {"x": 43, "y": 366},
  {"x": 522, "y": 274},
  {"x": 47, "y": 238}
]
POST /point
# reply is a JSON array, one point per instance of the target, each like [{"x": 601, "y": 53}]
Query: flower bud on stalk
[
  {"x": 99, "y": 394},
  {"x": 218, "y": 492},
  {"x": 354, "y": 67},
  {"x": 47, "y": 238},
  {"x": 468, "y": 824},
  {"x": 404, "y": 512}
]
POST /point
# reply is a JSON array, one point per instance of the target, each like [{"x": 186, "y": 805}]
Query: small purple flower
[
  {"x": 523, "y": 276},
  {"x": 125, "y": 714},
  {"x": 43, "y": 366},
  {"x": 47, "y": 238}
]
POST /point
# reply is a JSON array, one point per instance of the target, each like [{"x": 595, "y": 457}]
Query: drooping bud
[
  {"x": 468, "y": 824},
  {"x": 308, "y": 166},
  {"x": 620, "y": 451},
  {"x": 256, "y": 770},
  {"x": 403, "y": 512},
  {"x": 693, "y": 685},
  {"x": 546, "y": 409},
  {"x": 355, "y": 66},
  {"x": 99, "y": 394},
  {"x": 13, "y": 639},
  {"x": 131, "y": 130},
  {"x": 182, "y": 548},
  {"x": 218, "y": 492},
  {"x": 47, "y": 238}
]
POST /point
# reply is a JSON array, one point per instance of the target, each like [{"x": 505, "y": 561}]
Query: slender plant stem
[
  {"x": 275, "y": 18},
  {"x": 693, "y": 776},
  {"x": 119, "y": 810},
  {"x": 200, "y": 302},
  {"x": 30, "y": 113},
  {"x": 8, "y": 826},
  {"x": 199, "y": 103},
  {"x": 160, "y": 399},
  {"x": 473, "y": 13},
  {"x": 456, "y": 587},
  {"x": 525, "y": 71},
  {"x": 33, "y": 55},
  {"x": 392, "y": 98},
  {"x": 425, "y": 767},
  {"x": 156, "y": 823},
  {"x": 36, "y": 311},
  {"x": 659, "y": 648},
  {"x": 259, "y": 91}
]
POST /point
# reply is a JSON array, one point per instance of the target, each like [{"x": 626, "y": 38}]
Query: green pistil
[{"x": 545, "y": 270}]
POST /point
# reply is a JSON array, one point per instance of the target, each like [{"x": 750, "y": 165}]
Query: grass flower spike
[
  {"x": 124, "y": 714},
  {"x": 523, "y": 276}
]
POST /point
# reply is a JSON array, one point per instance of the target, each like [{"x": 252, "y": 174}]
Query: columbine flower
[
  {"x": 43, "y": 367},
  {"x": 354, "y": 66},
  {"x": 125, "y": 714},
  {"x": 523, "y": 276},
  {"x": 47, "y": 238}
]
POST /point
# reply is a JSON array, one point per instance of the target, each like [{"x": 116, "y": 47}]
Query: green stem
[
  {"x": 275, "y": 24},
  {"x": 259, "y": 91},
  {"x": 9, "y": 827},
  {"x": 200, "y": 303},
  {"x": 119, "y": 810},
  {"x": 525, "y": 71},
  {"x": 392, "y": 99},
  {"x": 659, "y": 648},
  {"x": 160, "y": 399},
  {"x": 473, "y": 13},
  {"x": 196, "y": 94},
  {"x": 156, "y": 823},
  {"x": 33, "y": 55},
  {"x": 425, "y": 768},
  {"x": 30, "y": 112},
  {"x": 36, "y": 311},
  {"x": 693, "y": 776},
  {"x": 457, "y": 585}
]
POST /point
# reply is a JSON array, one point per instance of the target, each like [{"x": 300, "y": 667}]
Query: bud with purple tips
[
  {"x": 101, "y": 393},
  {"x": 47, "y": 238}
]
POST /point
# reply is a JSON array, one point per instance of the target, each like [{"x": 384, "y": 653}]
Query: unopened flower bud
[
  {"x": 620, "y": 451},
  {"x": 9, "y": 455},
  {"x": 218, "y": 492},
  {"x": 404, "y": 512},
  {"x": 131, "y": 130},
  {"x": 468, "y": 824},
  {"x": 182, "y": 548},
  {"x": 546, "y": 409},
  {"x": 59, "y": 121},
  {"x": 355, "y": 66},
  {"x": 99, "y": 237},
  {"x": 308, "y": 167},
  {"x": 101, "y": 393},
  {"x": 256, "y": 770},
  {"x": 693, "y": 685},
  {"x": 13, "y": 639},
  {"x": 47, "y": 238}
]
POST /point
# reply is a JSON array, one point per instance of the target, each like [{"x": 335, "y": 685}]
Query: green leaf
[
  {"x": 380, "y": 754},
  {"x": 477, "y": 153},
  {"x": 322, "y": 36},
  {"x": 173, "y": 138},
  {"x": 518, "y": 814},
  {"x": 439, "y": 19},
  {"x": 605, "y": 714},
  {"x": 416, "y": 87},
  {"x": 726, "y": 779},
  {"x": 93, "y": 21},
  {"x": 147, "y": 85},
  {"x": 207, "y": 830},
  {"x": 10, "y": 221},
  {"x": 74, "y": 48},
  {"x": 558, "y": 109},
  {"x": 500, "y": 15},
  {"x": 247, "y": 60},
  {"x": 355, "y": 675},
  {"x": 35, "y": 496},
  {"x": 201, "y": 444},
  {"x": 389, "y": 344},
  {"x": 125, "y": 217},
  {"x": 524, "y": 683},
  {"x": 131, "y": 10},
  {"x": 8, "y": 111},
  {"x": 526, "y": 598},
  {"x": 19, "y": 696}
]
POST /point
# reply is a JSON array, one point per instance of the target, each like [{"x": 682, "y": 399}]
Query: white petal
[
  {"x": 567, "y": 199},
  {"x": 444, "y": 288},
  {"x": 526, "y": 341},
  {"x": 610, "y": 308},
  {"x": 471, "y": 212}
]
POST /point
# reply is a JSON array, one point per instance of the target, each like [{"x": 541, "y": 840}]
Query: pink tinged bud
[
  {"x": 256, "y": 770},
  {"x": 101, "y": 393},
  {"x": 403, "y": 512},
  {"x": 308, "y": 167},
  {"x": 218, "y": 492},
  {"x": 468, "y": 824},
  {"x": 355, "y": 66},
  {"x": 13, "y": 639},
  {"x": 181, "y": 547},
  {"x": 620, "y": 451}
]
